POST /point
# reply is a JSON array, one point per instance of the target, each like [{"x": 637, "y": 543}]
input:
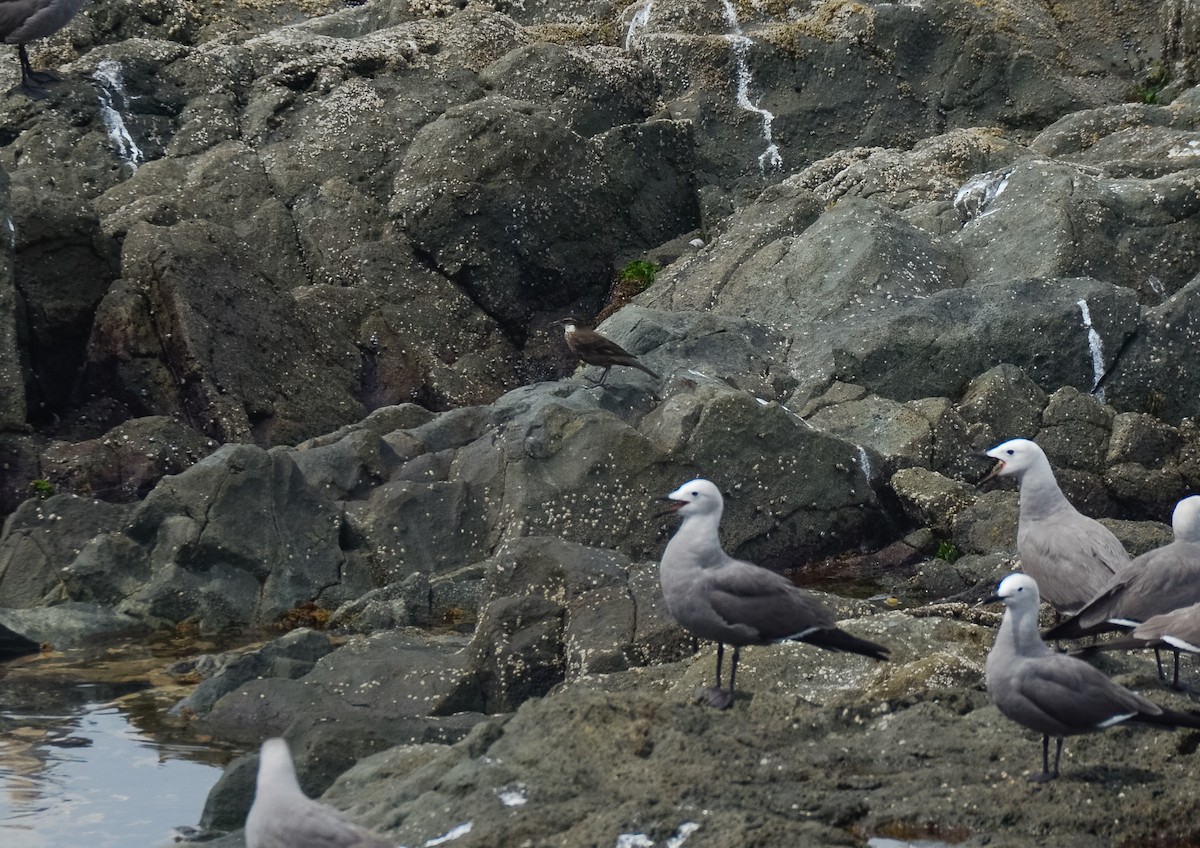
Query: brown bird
[
  {"x": 22, "y": 21},
  {"x": 593, "y": 349}
]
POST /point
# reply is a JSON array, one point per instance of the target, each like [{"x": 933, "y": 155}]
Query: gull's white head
[
  {"x": 1185, "y": 520},
  {"x": 1017, "y": 592},
  {"x": 697, "y": 497},
  {"x": 1016, "y": 457},
  {"x": 275, "y": 769}
]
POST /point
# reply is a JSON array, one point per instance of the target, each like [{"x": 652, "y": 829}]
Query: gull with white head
[
  {"x": 1052, "y": 693},
  {"x": 1158, "y": 581},
  {"x": 282, "y": 816},
  {"x": 1152, "y": 588},
  {"x": 1070, "y": 555},
  {"x": 732, "y": 602}
]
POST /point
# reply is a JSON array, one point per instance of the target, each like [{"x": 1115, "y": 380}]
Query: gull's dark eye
[{"x": 1011, "y": 452}]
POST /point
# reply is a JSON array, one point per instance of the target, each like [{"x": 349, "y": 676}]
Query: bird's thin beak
[
  {"x": 674, "y": 506},
  {"x": 992, "y": 599},
  {"x": 995, "y": 472}
]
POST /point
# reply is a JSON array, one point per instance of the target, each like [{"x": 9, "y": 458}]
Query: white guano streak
[
  {"x": 112, "y": 91},
  {"x": 638, "y": 23},
  {"x": 1097, "y": 350},
  {"x": 770, "y": 157},
  {"x": 864, "y": 462}
]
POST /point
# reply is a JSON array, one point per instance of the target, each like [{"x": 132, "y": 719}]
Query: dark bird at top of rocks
[
  {"x": 23, "y": 21},
  {"x": 1156, "y": 582},
  {"x": 1056, "y": 694},
  {"x": 282, "y": 816},
  {"x": 594, "y": 349},
  {"x": 1070, "y": 555},
  {"x": 732, "y": 602}
]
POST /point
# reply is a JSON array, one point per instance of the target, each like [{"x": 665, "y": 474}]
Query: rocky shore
[{"x": 276, "y": 356}]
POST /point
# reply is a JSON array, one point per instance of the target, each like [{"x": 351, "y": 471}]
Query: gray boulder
[
  {"x": 590, "y": 91},
  {"x": 468, "y": 173},
  {"x": 932, "y": 499},
  {"x": 288, "y": 657},
  {"x": 387, "y": 674},
  {"x": 1005, "y": 402},
  {"x": 41, "y": 539},
  {"x": 927, "y": 69},
  {"x": 927, "y": 433},
  {"x": 71, "y": 625},
  {"x": 556, "y": 611},
  {"x": 1153, "y": 370},
  {"x": 207, "y": 559},
  {"x": 427, "y": 526},
  {"x": 173, "y": 318},
  {"x": 855, "y": 261},
  {"x": 936, "y": 185},
  {"x": 936, "y": 346},
  {"x": 127, "y": 461},
  {"x": 1072, "y": 222}
]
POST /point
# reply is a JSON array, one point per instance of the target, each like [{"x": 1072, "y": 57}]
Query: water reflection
[{"x": 90, "y": 762}]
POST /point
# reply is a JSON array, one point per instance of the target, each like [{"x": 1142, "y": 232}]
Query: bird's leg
[
  {"x": 1158, "y": 662},
  {"x": 27, "y": 70},
  {"x": 1175, "y": 682},
  {"x": 30, "y": 78},
  {"x": 715, "y": 696},
  {"x": 602, "y": 377},
  {"x": 1047, "y": 775}
]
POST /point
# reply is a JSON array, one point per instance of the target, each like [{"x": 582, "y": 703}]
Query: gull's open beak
[
  {"x": 674, "y": 505},
  {"x": 995, "y": 472}
]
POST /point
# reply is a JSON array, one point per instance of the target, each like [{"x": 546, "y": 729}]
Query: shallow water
[{"x": 88, "y": 758}]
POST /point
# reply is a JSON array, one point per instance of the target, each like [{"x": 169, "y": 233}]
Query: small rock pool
[{"x": 87, "y": 756}]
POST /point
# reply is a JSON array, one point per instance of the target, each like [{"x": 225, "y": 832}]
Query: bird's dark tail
[
  {"x": 1073, "y": 628},
  {"x": 833, "y": 639},
  {"x": 639, "y": 365},
  {"x": 634, "y": 362},
  {"x": 1095, "y": 617},
  {"x": 1125, "y": 643},
  {"x": 1169, "y": 718}
]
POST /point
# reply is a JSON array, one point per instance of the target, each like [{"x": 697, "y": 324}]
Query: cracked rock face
[{"x": 269, "y": 221}]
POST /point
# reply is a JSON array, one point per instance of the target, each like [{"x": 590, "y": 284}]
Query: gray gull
[
  {"x": 1052, "y": 693},
  {"x": 1177, "y": 631},
  {"x": 1158, "y": 581},
  {"x": 282, "y": 816},
  {"x": 1070, "y": 555},
  {"x": 732, "y": 602}
]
